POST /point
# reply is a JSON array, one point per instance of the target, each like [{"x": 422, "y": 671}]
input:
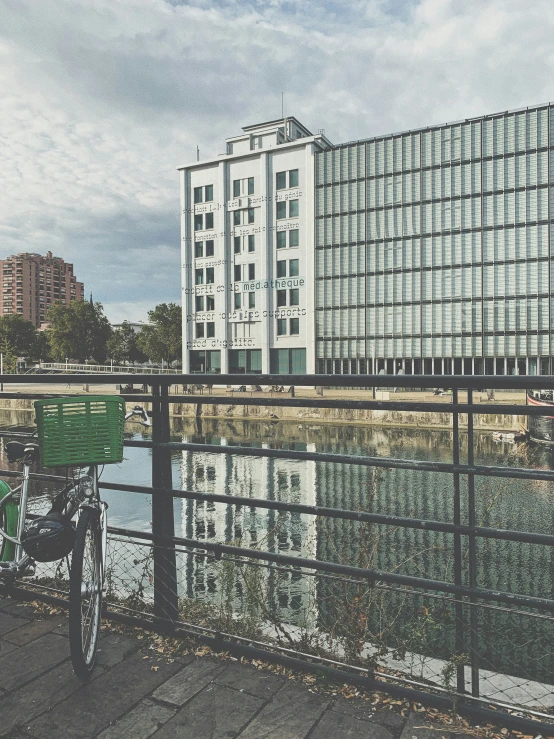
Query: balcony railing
[{"x": 449, "y": 637}]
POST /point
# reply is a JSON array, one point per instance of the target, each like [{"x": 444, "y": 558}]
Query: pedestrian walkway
[{"x": 135, "y": 694}]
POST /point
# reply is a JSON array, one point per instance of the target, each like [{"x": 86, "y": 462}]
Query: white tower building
[{"x": 247, "y": 228}]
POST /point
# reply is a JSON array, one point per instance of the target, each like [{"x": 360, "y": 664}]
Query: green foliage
[
  {"x": 122, "y": 345},
  {"x": 9, "y": 358},
  {"x": 79, "y": 331},
  {"x": 162, "y": 339},
  {"x": 17, "y": 335}
]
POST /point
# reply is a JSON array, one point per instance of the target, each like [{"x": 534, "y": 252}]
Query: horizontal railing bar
[
  {"x": 386, "y": 462},
  {"x": 373, "y": 575},
  {"x": 319, "y": 403},
  {"x": 477, "y": 382},
  {"x": 378, "y": 518}
]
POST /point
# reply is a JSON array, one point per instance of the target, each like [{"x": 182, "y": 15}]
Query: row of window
[
  {"x": 243, "y": 217},
  {"x": 244, "y": 272},
  {"x": 282, "y": 361},
  {"x": 245, "y": 186},
  {"x": 203, "y": 221},
  {"x": 285, "y": 327},
  {"x": 207, "y": 302}
]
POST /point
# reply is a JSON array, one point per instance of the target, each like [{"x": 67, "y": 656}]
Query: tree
[
  {"x": 79, "y": 331},
  {"x": 122, "y": 345},
  {"x": 162, "y": 339},
  {"x": 17, "y": 335}
]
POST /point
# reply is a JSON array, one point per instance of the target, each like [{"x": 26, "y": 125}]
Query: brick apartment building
[{"x": 31, "y": 283}]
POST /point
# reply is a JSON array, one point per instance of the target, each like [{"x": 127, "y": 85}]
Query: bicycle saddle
[{"x": 19, "y": 449}]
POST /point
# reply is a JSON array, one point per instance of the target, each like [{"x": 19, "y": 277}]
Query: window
[
  {"x": 199, "y": 330},
  {"x": 281, "y": 239},
  {"x": 293, "y": 209},
  {"x": 294, "y": 326},
  {"x": 281, "y": 326},
  {"x": 209, "y": 220},
  {"x": 210, "y": 302},
  {"x": 199, "y": 277},
  {"x": 199, "y": 303},
  {"x": 245, "y": 361},
  {"x": 293, "y": 237},
  {"x": 209, "y": 193},
  {"x": 251, "y": 299},
  {"x": 250, "y": 215},
  {"x": 210, "y": 329},
  {"x": 199, "y": 249},
  {"x": 281, "y": 268},
  {"x": 294, "y": 268},
  {"x": 198, "y": 221},
  {"x": 238, "y": 273},
  {"x": 281, "y": 298},
  {"x": 236, "y": 218},
  {"x": 288, "y": 361},
  {"x": 210, "y": 276},
  {"x": 210, "y": 248},
  {"x": 237, "y": 244},
  {"x": 281, "y": 180},
  {"x": 203, "y": 362},
  {"x": 293, "y": 178},
  {"x": 236, "y": 188},
  {"x": 251, "y": 242},
  {"x": 238, "y": 302},
  {"x": 250, "y": 185},
  {"x": 281, "y": 209},
  {"x": 197, "y": 194},
  {"x": 251, "y": 271},
  {"x": 294, "y": 296}
]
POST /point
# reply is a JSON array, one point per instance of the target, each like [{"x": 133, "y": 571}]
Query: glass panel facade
[{"x": 432, "y": 249}]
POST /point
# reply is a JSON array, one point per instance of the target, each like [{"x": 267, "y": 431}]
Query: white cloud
[{"x": 102, "y": 101}]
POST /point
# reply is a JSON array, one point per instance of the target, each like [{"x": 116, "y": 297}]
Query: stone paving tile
[
  {"x": 6, "y": 648},
  {"x": 9, "y": 623},
  {"x": 214, "y": 713},
  {"x": 97, "y": 704},
  {"x": 32, "y": 660},
  {"x": 20, "y": 707},
  {"x": 248, "y": 679},
  {"x": 341, "y": 726},
  {"x": 31, "y": 631},
  {"x": 290, "y": 715},
  {"x": 140, "y": 723},
  {"x": 189, "y": 681},
  {"x": 113, "y": 648}
]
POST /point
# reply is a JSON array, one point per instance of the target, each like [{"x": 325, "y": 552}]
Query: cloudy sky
[{"x": 101, "y": 100}]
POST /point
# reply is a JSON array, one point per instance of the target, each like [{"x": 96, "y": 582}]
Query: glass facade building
[{"x": 433, "y": 249}]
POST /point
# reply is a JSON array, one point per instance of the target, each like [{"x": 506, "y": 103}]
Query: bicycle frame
[{"x": 22, "y": 563}]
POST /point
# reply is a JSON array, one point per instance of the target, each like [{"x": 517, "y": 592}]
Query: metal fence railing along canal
[{"x": 332, "y": 587}]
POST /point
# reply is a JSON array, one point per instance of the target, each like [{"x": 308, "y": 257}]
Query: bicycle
[{"x": 25, "y": 539}]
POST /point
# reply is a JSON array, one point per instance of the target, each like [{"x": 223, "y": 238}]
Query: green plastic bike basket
[{"x": 75, "y": 431}]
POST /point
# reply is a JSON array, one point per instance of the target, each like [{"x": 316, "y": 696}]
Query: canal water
[{"x": 400, "y": 619}]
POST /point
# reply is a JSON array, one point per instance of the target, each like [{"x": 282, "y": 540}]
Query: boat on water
[{"x": 541, "y": 428}]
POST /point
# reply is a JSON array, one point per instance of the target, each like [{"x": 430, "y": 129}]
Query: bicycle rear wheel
[
  {"x": 85, "y": 593},
  {"x": 8, "y": 522}
]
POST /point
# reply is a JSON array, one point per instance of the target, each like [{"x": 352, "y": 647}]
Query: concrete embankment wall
[{"x": 492, "y": 422}]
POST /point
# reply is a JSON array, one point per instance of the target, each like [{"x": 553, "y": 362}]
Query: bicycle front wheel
[{"x": 85, "y": 593}]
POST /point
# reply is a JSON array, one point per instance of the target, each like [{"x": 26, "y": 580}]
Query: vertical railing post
[
  {"x": 165, "y": 568},
  {"x": 458, "y": 576},
  {"x": 472, "y": 520}
]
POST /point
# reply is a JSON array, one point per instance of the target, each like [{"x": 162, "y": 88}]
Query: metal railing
[{"x": 484, "y": 649}]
